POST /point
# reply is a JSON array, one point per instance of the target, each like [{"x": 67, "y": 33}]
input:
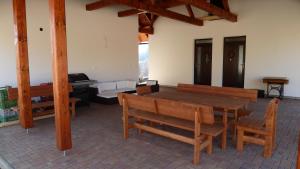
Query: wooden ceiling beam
[
  {"x": 160, "y": 11},
  {"x": 129, "y": 12},
  {"x": 202, "y": 4},
  {"x": 163, "y": 4},
  {"x": 190, "y": 10},
  {"x": 226, "y": 5},
  {"x": 168, "y": 3},
  {"x": 99, "y": 4}
]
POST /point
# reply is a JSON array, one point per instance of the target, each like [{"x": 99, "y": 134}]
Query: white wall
[
  {"x": 272, "y": 28},
  {"x": 99, "y": 43}
]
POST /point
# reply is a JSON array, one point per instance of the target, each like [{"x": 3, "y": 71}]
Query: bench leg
[
  {"x": 196, "y": 151},
  {"x": 125, "y": 125},
  {"x": 240, "y": 141},
  {"x": 140, "y": 131},
  {"x": 268, "y": 147},
  {"x": 224, "y": 134},
  {"x": 210, "y": 146},
  {"x": 234, "y": 125}
]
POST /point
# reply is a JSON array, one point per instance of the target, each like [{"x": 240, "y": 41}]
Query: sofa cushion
[
  {"x": 108, "y": 94},
  {"x": 107, "y": 86},
  {"x": 151, "y": 82},
  {"x": 126, "y": 84},
  {"x": 122, "y": 84}
]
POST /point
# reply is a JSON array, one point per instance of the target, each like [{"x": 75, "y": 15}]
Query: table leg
[
  {"x": 224, "y": 135},
  {"x": 235, "y": 123}
]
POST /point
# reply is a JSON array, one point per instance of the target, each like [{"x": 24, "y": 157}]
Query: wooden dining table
[{"x": 226, "y": 103}]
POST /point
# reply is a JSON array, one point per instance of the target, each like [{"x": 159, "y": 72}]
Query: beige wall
[
  {"x": 99, "y": 43},
  {"x": 273, "y": 38}
]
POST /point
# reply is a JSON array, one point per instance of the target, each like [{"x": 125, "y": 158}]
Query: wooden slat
[
  {"x": 60, "y": 74},
  {"x": 36, "y": 91},
  {"x": 23, "y": 78},
  {"x": 165, "y": 133},
  {"x": 211, "y": 130},
  {"x": 254, "y": 140}
]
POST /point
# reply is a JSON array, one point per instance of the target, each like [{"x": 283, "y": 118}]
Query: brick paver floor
[{"x": 98, "y": 144}]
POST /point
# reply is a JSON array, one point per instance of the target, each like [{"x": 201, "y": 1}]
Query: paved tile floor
[{"x": 98, "y": 144}]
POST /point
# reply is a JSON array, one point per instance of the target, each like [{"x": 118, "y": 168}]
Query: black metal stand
[{"x": 279, "y": 87}]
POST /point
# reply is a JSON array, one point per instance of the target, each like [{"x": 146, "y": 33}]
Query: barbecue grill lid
[{"x": 78, "y": 77}]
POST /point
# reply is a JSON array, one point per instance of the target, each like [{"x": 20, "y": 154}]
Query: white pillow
[
  {"x": 105, "y": 86},
  {"x": 131, "y": 84},
  {"x": 122, "y": 84},
  {"x": 151, "y": 82}
]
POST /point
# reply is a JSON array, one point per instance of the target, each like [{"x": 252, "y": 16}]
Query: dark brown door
[
  {"x": 234, "y": 62},
  {"x": 203, "y": 62}
]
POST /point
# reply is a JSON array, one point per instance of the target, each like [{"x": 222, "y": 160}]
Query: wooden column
[
  {"x": 23, "y": 78},
  {"x": 60, "y": 74}
]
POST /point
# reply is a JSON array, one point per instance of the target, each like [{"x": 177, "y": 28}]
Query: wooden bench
[
  {"x": 190, "y": 117},
  {"x": 43, "y": 108}
]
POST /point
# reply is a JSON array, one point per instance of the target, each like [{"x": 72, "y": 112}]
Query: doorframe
[
  {"x": 195, "y": 52},
  {"x": 245, "y": 48}
]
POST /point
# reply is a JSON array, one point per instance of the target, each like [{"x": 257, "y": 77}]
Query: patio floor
[{"x": 98, "y": 144}]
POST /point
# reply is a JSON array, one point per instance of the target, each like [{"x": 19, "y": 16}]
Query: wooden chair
[
  {"x": 259, "y": 131},
  {"x": 171, "y": 113},
  {"x": 141, "y": 90}
]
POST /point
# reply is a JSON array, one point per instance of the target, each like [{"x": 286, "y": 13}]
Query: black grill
[{"x": 81, "y": 88}]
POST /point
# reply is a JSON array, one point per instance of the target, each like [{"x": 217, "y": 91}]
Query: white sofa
[{"x": 111, "y": 89}]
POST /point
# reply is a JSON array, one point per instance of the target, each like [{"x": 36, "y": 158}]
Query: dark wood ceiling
[{"x": 149, "y": 10}]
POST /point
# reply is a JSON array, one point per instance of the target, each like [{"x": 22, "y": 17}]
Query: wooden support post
[
  {"x": 60, "y": 74},
  {"x": 23, "y": 77}
]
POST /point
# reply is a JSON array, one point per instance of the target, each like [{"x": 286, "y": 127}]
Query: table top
[
  {"x": 216, "y": 101},
  {"x": 284, "y": 80}
]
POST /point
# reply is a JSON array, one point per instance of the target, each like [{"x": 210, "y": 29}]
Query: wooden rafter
[
  {"x": 226, "y": 5},
  {"x": 163, "y": 4},
  {"x": 202, "y": 4},
  {"x": 158, "y": 11},
  {"x": 99, "y": 4},
  {"x": 190, "y": 10},
  {"x": 129, "y": 12}
]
